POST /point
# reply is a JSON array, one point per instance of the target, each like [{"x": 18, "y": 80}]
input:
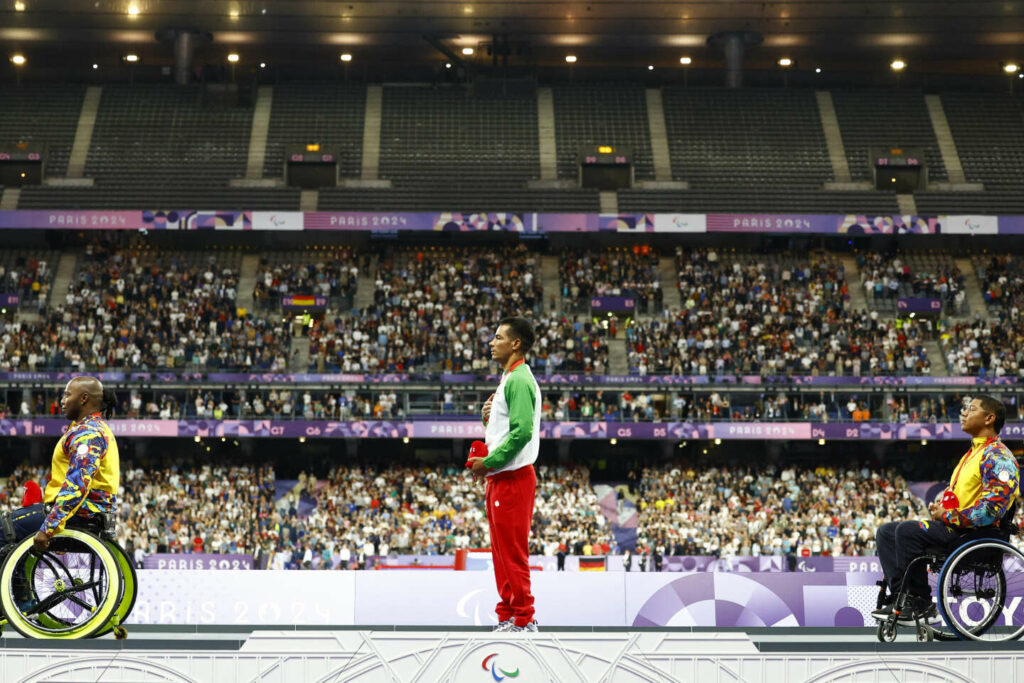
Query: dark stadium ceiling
[{"x": 956, "y": 36}]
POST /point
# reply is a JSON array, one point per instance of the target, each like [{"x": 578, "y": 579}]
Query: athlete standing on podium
[{"x": 512, "y": 418}]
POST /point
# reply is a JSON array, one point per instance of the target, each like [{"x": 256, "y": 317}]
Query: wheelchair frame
[
  {"x": 109, "y": 567},
  {"x": 942, "y": 563}
]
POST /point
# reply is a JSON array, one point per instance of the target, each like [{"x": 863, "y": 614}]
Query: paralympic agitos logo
[{"x": 498, "y": 674}]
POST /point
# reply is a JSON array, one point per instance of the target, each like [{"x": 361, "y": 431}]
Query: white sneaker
[
  {"x": 504, "y": 626},
  {"x": 529, "y": 628}
]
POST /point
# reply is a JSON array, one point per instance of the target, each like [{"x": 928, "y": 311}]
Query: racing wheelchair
[
  {"x": 979, "y": 587},
  {"x": 83, "y": 586}
]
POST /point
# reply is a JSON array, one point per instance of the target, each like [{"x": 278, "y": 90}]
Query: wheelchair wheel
[
  {"x": 974, "y": 585},
  {"x": 68, "y": 592},
  {"x": 129, "y": 591}
]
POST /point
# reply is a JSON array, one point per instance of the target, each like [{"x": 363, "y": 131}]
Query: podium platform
[{"x": 424, "y": 655}]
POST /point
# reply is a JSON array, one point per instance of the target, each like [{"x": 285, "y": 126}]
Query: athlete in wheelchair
[
  {"x": 62, "y": 575},
  {"x": 977, "y": 573}
]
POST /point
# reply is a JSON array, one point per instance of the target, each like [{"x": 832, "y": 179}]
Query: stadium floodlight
[
  {"x": 898, "y": 65},
  {"x": 785, "y": 62},
  {"x": 18, "y": 60},
  {"x": 263, "y": 65},
  {"x": 650, "y": 67},
  {"x": 346, "y": 57},
  {"x": 468, "y": 51},
  {"x": 133, "y": 10},
  {"x": 685, "y": 61},
  {"x": 19, "y": 7},
  {"x": 233, "y": 57},
  {"x": 1011, "y": 68},
  {"x": 95, "y": 66},
  {"x": 817, "y": 70},
  {"x": 132, "y": 58},
  {"x": 447, "y": 65},
  {"x": 570, "y": 59}
]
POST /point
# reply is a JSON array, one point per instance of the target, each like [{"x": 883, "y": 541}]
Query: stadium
[{"x": 768, "y": 255}]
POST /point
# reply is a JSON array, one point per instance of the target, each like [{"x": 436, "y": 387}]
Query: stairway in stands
[
  {"x": 972, "y": 287},
  {"x": 365, "y": 287},
  {"x": 669, "y": 280},
  {"x": 858, "y": 302},
  {"x": 550, "y": 282},
  {"x": 63, "y": 279}
]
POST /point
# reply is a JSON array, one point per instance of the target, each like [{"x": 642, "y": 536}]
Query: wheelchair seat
[{"x": 100, "y": 524}]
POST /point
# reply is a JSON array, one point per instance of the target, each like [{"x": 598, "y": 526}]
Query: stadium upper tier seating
[
  {"x": 478, "y": 148},
  {"x": 988, "y": 130},
  {"x": 328, "y": 114},
  {"x": 42, "y": 114},
  {"x": 602, "y": 115}
]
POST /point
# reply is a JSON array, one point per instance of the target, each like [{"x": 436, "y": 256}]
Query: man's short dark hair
[
  {"x": 520, "y": 329},
  {"x": 993, "y": 405}
]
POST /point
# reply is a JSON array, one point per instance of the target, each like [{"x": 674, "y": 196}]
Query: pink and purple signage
[
  {"x": 473, "y": 429},
  {"x": 453, "y": 221}
]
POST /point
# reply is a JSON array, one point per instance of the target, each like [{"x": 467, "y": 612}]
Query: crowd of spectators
[
  {"x": 1002, "y": 283},
  {"x": 625, "y": 271},
  {"x": 352, "y": 514},
  {"x": 131, "y": 306},
  {"x": 744, "y": 314},
  {"x": 134, "y": 309},
  {"x": 331, "y": 273},
  {"x": 769, "y": 510},
  {"x": 358, "y": 512},
  {"x": 26, "y": 275},
  {"x": 887, "y": 276},
  {"x": 566, "y": 343},
  {"x": 434, "y": 311},
  {"x": 984, "y": 348}
]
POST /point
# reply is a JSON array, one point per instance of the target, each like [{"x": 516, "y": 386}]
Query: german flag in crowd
[{"x": 590, "y": 563}]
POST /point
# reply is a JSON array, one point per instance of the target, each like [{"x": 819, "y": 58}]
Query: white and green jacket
[{"x": 513, "y": 432}]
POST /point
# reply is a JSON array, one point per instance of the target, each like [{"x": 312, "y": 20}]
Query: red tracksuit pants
[{"x": 510, "y": 498}]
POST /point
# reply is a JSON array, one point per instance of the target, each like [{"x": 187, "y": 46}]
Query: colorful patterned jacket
[
  {"x": 986, "y": 483},
  {"x": 84, "y": 474}
]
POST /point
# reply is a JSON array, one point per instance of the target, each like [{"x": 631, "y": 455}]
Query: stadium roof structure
[{"x": 969, "y": 36}]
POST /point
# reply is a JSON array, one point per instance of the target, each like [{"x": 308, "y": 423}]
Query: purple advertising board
[
  {"x": 9, "y": 299},
  {"x": 434, "y": 221},
  {"x": 553, "y": 379},
  {"x": 444, "y": 221},
  {"x": 180, "y": 561},
  {"x": 914, "y": 304},
  {"x": 473, "y": 429},
  {"x": 617, "y": 304}
]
